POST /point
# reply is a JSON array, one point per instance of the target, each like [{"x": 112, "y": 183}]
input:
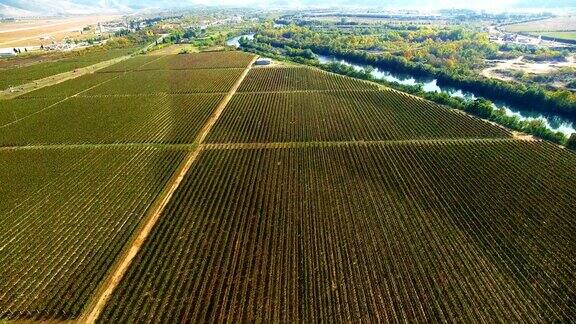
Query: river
[
  {"x": 236, "y": 40},
  {"x": 554, "y": 122}
]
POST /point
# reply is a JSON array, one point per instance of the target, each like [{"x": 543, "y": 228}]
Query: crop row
[
  {"x": 472, "y": 232},
  {"x": 64, "y": 217},
  {"x": 131, "y": 64},
  {"x": 12, "y": 110},
  {"x": 164, "y": 81},
  {"x": 294, "y": 79},
  {"x": 71, "y": 87},
  {"x": 341, "y": 116},
  {"x": 206, "y": 60},
  {"x": 15, "y": 76},
  {"x": 103, "y": 120}
]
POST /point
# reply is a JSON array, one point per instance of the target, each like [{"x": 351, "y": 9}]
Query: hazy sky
[{"x": 47, "y": 7}]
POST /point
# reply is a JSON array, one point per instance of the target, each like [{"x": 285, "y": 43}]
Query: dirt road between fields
[{"x": 117, "y": 272}]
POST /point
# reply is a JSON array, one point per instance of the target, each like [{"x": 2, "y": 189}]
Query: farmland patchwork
[{"x": 294, "y": 195}]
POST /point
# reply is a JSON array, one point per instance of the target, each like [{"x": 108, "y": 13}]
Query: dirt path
[
  {"x": 92, "y": 312},
  {"x": 58, "y": 78}
]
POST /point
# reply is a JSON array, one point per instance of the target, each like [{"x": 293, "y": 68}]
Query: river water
[
  {"x": 236, "y": 40},
  {"x": 552, "y": 121}
]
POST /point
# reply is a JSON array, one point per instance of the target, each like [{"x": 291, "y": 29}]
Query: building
[{"x": 263, "y": 61}]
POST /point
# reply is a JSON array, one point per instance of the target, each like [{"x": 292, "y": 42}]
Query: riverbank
[
  {"x": 555, "y": 123},
  {"x": 478, "y": 107}
]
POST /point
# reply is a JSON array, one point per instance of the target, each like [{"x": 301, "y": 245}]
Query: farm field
[
  {"x": 130, "y": 64},
  {"x": 412, "y": 232},
  {"x": 557, "y": 34},
  {"x": 341, "y": 116},
  {"x": 196, "y": 188},
  {"x": 65, "y": 215},
  {"x": 205, "y": 60},
  {"x": 100, "y": 120},
  {"x": 11, "y": 110},
  {"x": 164, "y": 81},
  {"x": 14, "y": 76},
  {"x": 564, "y": 23},
  {"x": 71, "y": 87},
  {"x": 293, "y": 79}
]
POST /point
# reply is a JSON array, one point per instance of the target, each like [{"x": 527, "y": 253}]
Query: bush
[{"x": 571, "y": 144}]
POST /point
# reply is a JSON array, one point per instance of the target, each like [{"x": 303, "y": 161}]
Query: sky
[{"x": 32, "y": 7}]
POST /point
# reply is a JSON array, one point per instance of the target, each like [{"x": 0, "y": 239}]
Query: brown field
[{"x": 28, "y": 33}]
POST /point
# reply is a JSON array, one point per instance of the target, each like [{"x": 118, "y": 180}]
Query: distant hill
[{"x": 13, "y": 8}]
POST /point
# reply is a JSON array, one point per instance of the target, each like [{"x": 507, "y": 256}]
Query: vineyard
[
  {"x": 99, "y": 120},
  {"x": 341, "y": 116},
  {"x": 200, "y": 61},
  {"x": 66, "y": 214},
  {"x": 195, "y": 188},
  {"x": 164, "y": 81},
  {"x": 362, "y": 232},
  {"x": 293, "y": 79},
  {"x": 130, "y": 64},
  {"x": 72, "y": 87},
  {"x": 11, "y": 110},
  {"x": 14, "y": 76}
]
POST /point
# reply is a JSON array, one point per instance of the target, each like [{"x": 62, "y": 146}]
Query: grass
[{"x": 560, "y": 35}]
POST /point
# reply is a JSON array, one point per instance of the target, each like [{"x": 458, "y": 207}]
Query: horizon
[{"x": 44, "y": 8}]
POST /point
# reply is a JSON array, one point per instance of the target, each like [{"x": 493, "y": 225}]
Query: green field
[
  {"x": 14, "y": 76},
  {"x": 72, "y": 87},
  {"x": 165, "y": 81},
  {"x": 416, "y": 233},
  {"x": 303, "y": 196},
  {"x": 303, "y": 79},
  {"x": 65, "y": 216},
  {"x": 560, "y": 35},
  {"x": 100, "y": 120},
  {"x": 341, "y": 116}
]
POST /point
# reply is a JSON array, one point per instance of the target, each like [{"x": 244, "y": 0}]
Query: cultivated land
[
  {"x": 65, "y": 216},
  {"x": 571, "y": 35},
  {"x": 341, "y": 115},
  {"x": 564, "y": 23},
  {"x": 207, "y": 191},
  {"x": 14, "y": 76},
  {"x": 415, "y": 232}
]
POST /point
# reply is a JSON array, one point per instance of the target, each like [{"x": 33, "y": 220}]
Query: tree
[
  {"x": 571, "y": 144},
  {"x": 480, "y": 107}
]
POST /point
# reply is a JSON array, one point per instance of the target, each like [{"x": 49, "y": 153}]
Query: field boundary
[
  {"x": 175, "y": 69},
  {"x": 275, "y": 145},
  {"x": 77, "y": 94},
  {"x": 133, "y": 246},
  {"x": 58, "y": 78},
  {"x": 260, "y": 145}
]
